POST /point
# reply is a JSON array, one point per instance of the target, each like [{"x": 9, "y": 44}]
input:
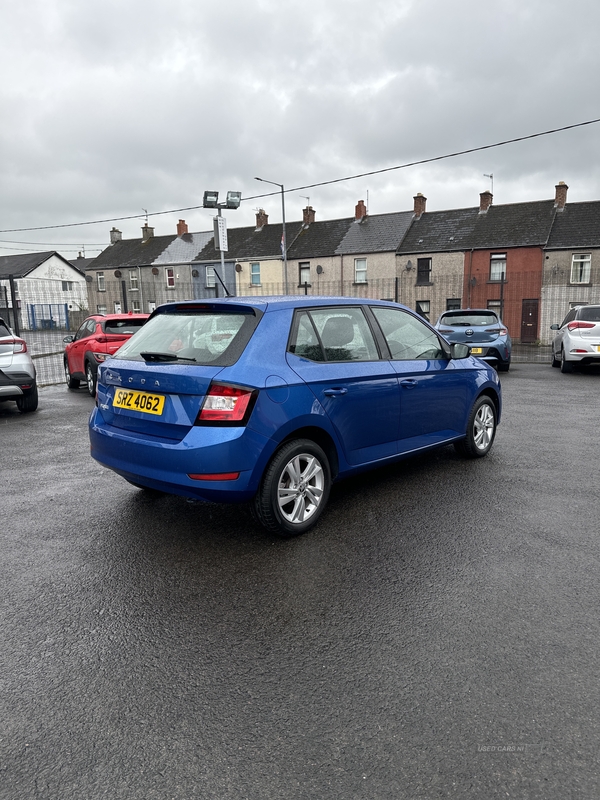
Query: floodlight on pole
[
  {"x": 283, "y": 236},
  {"x": 211, "y": 200}
]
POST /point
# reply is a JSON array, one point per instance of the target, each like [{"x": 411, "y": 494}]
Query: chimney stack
[
  {"x": 182, "y": 228},
  {"x": 308, "y": 215},
  {"x": 115, "y": 236},
  {"x": 560, "y": 200},
  {"x": 360, "y": 211},
  {"x": 485, "y": 201},
  {"x": 420, "y": 203},
  {"x": 262, "y": 219},
  {"x": 147, "y": 233}
]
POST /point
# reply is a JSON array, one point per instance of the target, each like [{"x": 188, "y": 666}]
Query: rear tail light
[
  {"x": 573, "y": 326},
  {"x": 19, "y": 346},
  {"x": 226, "y": 405}
]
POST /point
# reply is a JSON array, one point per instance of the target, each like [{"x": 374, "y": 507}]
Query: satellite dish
[
  {"x": 319, "y": 269},
  {"x": 155, "y": 270},
  {"x": 117, "y": 273},
  {"x": 89, "y": 278},
  {"x": 195, "y": 273},
  {"x": 238, "y": 268}
]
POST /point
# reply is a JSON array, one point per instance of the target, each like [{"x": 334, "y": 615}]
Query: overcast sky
[{"x": 108, "y": 108}]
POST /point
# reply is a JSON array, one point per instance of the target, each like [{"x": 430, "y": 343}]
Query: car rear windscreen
[
  {"x": 193, "y": 336},
  {"x": 124, "y": 326},
  {"x": 475, "y": 320},
  {"x": 591, "y": 314}
]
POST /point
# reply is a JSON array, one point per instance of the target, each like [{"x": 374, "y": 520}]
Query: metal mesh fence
[{"x": 46, "y": 316}]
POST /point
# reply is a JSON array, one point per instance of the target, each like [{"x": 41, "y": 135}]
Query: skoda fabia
[{"x": 269, "y": 400}]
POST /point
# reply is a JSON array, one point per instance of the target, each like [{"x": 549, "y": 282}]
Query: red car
[{"x": 98, "y": 338}]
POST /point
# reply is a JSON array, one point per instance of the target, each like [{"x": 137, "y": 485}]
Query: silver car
[
  {"x": 17, "y": 372},
  {"x": 578, "y": 339}
]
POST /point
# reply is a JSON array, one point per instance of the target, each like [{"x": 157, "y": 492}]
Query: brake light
[
  {"x": 573, "y": 326},
  {"x": 19, "y": 346},
  {"x": 224, "y": 403},
  {"x": 445, "y": 330}
]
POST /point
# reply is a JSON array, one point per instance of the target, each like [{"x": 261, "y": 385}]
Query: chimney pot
[
  {"x": 560, "y": 200},
  {"x": 115, "y": 236},
  {"x": 182, "y": 228},
  {"x": 360, "y": 211},
  {"x": 308, "y": 215},
  {"x": 485, "y": 201},
  {"x": 420, "y": 204},
  {"x": 262, "y": 219}
]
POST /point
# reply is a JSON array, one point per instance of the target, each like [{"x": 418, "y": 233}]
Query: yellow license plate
[
  {"x": 476, "y": 351},
  {"x": 139, "y": 401}
]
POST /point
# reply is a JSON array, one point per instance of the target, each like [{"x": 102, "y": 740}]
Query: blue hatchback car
[
  {"x": 484, "y": 332},
  {"x": 269, "y": 400}
]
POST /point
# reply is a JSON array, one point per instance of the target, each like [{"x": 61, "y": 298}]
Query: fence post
[{"x": 13, "y": 295}]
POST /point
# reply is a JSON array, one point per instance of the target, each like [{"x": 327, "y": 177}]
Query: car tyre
[
  {"x": 294, "y": 489},
  {"x": 481, "y": 429},
  {"x": 90, "y": 379},
  {"x": 28, "y": 402},
  {"x": 504, "y": 366},
  {"x": 554, "y": 360},
  {"x": 72, "y": 383},
  {"x": 565, "y": 366}
]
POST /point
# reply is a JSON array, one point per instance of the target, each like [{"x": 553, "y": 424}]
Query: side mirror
[
  {"x": 555, "y": 327},
  {"x": 459, "y": 350},
  {"x": 68, "y": 339}
]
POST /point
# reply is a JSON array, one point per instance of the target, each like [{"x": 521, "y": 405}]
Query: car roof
[{"x": 265, "y": 303}]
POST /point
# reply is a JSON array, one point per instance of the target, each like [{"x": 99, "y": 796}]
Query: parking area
[{"x": 437, "y": 634}]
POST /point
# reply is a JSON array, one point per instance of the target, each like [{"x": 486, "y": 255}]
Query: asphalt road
[{"x": 437, "y": 635}]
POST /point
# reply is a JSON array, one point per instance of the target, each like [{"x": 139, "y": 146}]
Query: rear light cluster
[
  {"x": 577, "y": 324},
  {"x": 227, "y": 404},
  {"x": 19, "y": 346}
]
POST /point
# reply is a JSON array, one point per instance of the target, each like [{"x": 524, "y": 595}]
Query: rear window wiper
[{"x": 163, "y": 357}]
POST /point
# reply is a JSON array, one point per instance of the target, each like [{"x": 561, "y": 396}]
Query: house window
[
  {"x": 498, "y": 267},
  {"x": 136, "y": 307},
  {"x": 360, "y": 270},
  {"x": 423, "y": 270},
  {"x": 101, "y": 309},
  {"x": 211, "y": 280},
  {"x": 133, "y": 280},
  {"x": 453, "y": 303},
  {"x": 496, "y": 307},
  {"x": 67, "y": 286},
  {"x": 255, "y": 274},
  {"x": 423, "y": 308},
  {"x": 580, "y": 268},
  {"x": 100, "y": 280},
  {"x": 170, "y": 276},
  {"x": 304, "y": 272}
]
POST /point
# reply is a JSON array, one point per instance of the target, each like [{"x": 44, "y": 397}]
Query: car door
[
  {"x": 78, "y": 347},
  {"x": 334, "y": 351},
  {"x": 433, "y": 391}
]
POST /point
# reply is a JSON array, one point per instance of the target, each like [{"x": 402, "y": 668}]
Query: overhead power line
[{"x": 320, "y": 183}]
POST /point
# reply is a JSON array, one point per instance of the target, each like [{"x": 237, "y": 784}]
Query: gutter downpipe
[{"x": 470, "y": 273}]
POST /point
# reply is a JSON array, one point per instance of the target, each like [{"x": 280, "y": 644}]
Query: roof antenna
[
  {"x": 145, "y": 210},
  {"x": 491, "y": 177},
  {"x": 304, "y": 197}
]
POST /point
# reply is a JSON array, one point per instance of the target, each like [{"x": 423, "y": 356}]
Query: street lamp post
[
  {"x": 284, "y": 240},
  {"x": 211, "y": 200}
]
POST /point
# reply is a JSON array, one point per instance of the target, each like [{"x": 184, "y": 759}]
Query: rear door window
[
  {"x": 333, "y": 334},
  {"x": 407, "y": 337}
]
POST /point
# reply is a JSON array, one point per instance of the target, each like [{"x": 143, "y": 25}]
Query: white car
[
  {"x": 578, "y": 339},
  {"x": 17, "y": 373}
]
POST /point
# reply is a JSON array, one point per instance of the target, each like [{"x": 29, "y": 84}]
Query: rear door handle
[
  {"x": 408, "y": 383},
  {"x": 335, "y": 392}
]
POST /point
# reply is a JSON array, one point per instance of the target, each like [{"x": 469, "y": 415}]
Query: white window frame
[
  {"x": 360, "y": 270},
  {"x": 100, "y": 282},
  {"x": 211, "y": 278},
  {"x": 136, "y": 307},
  {"x": 581, "y": 267},
  {"x": 303, "y": 272},
  {"x": 255, "y": 273},
  {"x": 133, "y": 280},
  {"x": 422, "y": 312},
  {"x": 101, "y": 309},
  {"x": 498, "y": 267},
  {"x": 170, "y": 277}
]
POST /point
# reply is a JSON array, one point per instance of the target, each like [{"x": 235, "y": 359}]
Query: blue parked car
[
  {"x": 484, "y": 332},
  {"x": 269, "y": 400}
]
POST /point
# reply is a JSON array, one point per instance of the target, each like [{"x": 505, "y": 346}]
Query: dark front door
[{"x": 529, "y": 321}]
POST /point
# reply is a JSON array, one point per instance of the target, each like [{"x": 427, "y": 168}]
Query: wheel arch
[{"x": 320, "y": 437}]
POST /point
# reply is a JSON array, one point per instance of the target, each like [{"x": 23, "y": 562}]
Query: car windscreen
[
  {"x": 192, "y": 336},
  {"x": 474, "y": 320},
  {"x": 123, "y": 326},
  {"x": 590, "y": 313}
]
